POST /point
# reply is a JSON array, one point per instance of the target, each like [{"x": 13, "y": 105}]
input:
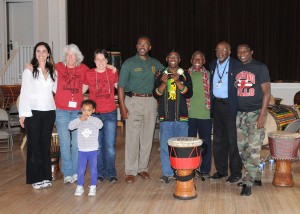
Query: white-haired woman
[{"x": 68, "y": 97}]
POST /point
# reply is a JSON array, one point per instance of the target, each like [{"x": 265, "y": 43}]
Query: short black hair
[
  {"x": 101, "y": 51},
  {"x": 89, "y": 102},
  {"x": 247, "y": 44},
  {"x": 143, "y": 37},
  {"x": 173, "y": 51}
]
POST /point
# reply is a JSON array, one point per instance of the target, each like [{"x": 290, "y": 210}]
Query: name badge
[{"x": 72, "y": 104}]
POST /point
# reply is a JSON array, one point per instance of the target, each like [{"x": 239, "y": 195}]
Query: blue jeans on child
[
  {"x": 68, "y": 145},
  {"x": 85, "y": 158},
  {"x": 168, "y": 130},
  {"x": 107, "y": 142}
]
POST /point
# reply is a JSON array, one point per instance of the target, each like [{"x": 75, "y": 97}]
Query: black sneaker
[
  {"x": 233, "y": 179},
  {"x": 167, "y": 179},
  {"x": 217, "y": 176},
  {"x": 257, "y": 183},
  {"x": 113, "y": 179},
  {"x": 100, "y": 179},
  {"x": 246, "y": 191}
]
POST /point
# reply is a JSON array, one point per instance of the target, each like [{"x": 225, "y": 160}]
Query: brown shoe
[
  {"x": 129, "y": 179},
  {"x": 144, "y": 175}
]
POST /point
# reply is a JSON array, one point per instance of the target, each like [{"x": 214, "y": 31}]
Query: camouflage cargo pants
[{"x": 249, "y": 140}]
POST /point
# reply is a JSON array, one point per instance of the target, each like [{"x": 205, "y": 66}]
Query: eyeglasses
[
  {"x": 143, "y": 44},
  {"x": 221, "y": 50}
]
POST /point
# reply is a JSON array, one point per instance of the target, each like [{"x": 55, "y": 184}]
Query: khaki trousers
[{"x": 139, "y": 133}]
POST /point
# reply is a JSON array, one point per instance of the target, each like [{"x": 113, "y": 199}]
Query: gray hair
[{"x": 74, "y": 49}]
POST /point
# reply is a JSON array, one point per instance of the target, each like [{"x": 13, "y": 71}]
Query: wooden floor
[{"x": 143, "y": 196}]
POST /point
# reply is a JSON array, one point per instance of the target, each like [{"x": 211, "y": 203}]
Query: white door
[{"x": 20, "y": 23}]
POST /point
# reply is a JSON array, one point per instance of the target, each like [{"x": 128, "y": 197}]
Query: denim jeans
[
  {"x": 68, "y": 143},
  {"x": 107, "y": 142},
  {"x": 167, "y": 131},
  {"x": 85, "y": 158},
  {"x": 203, "y": 128}
]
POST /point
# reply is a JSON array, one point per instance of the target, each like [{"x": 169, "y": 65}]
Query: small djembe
[{"x": 185, "y": 156}]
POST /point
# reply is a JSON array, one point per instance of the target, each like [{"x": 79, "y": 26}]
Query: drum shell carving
[
  {"x": 185, "y": 157},
  {"x": 283, "y": 145}
]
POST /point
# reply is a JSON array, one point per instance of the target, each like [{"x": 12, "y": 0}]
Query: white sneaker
[
  {"x": 47, "y": 183},
  {"x": 68, "y": 179},
  {"x": 74, "y": 178},
  {"x": 92, "y": 191},
  {"x": 37, "y": 185},
  {"x": 79, "y": 190}
]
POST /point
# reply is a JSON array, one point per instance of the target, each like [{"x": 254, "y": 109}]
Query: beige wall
[{"x": 49, "y": 21}]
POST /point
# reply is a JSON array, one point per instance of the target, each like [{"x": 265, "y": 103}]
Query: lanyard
[{"x": 218, "y": 72}]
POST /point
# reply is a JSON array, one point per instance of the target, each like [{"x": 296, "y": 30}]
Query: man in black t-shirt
[{"x": 253, "y": 91}]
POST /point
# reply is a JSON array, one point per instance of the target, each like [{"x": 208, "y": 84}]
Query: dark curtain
[{"x": 271, "y": 27}]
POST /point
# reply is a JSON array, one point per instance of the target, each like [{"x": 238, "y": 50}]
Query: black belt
[
  {"x": 223, "y": 100},
  {"x": 142, "y": 95}
]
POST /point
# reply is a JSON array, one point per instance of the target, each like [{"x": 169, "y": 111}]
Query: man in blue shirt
[{"x": 224, "y": 110}]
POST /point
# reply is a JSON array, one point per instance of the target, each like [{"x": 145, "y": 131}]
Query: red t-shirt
[
  {"x": 101, "y": 88},
  {"x": 69, "y": 82}
]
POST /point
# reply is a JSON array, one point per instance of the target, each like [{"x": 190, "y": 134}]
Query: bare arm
[
  {"x": 123, "y": 109},
  {"x": 84, "y": 88},
  {"x": 22, "y": 120},
  {"x": 266, "y": 88},
  {"x": 54, "y": 89}
]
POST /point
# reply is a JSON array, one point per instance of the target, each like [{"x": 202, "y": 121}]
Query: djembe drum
[
  {"x": 55, "y": 155},
  {"x": 185, "y": 157},
  {"x": 278, "y": 117},
  {"x": 283, "y": 148}
]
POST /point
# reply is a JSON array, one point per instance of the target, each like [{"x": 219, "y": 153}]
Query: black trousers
[
  {"x": 39, "y": 133},
  {"x": 225, "y": 140}
]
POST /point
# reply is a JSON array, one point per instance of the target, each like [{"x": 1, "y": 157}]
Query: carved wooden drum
[{"x": 283, "y": 148}]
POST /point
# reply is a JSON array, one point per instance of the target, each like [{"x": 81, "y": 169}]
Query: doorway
[{"x": 20, "y": 25}]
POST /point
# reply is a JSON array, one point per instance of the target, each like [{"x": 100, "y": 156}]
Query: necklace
[
  {"x": 72, "y": 76},
  {"x": 97, "y": 87}
]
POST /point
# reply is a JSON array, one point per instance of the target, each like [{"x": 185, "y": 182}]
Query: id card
[
  {"x": 219, "y": 85},
  {"x": 72, "y": 104}
]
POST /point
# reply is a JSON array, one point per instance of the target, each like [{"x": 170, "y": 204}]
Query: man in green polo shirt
[{"x": 139, "y": 108}]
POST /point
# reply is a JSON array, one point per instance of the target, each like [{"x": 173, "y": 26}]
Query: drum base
[
  {"x": 56, "y": 173},
  {"x": 283, "y": 176},
  {"x": 185, "y": 190}
]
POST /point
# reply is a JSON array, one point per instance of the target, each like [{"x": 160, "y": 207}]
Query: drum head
[
  {"x": 284, "y": 135},
  {"x": 184, "y": 142}
]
